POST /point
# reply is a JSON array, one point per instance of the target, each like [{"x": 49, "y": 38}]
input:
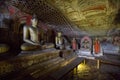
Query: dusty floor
[{"x": 89, "y": 71}]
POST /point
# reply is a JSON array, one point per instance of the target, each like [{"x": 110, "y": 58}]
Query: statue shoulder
[
  {"x": 26, "y": 27},
  {"x": 56, "y": 37}
]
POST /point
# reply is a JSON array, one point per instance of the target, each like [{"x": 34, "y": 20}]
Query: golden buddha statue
[
  {"x": 59, "y": 41},
  {"x": 30, "y": 36}
]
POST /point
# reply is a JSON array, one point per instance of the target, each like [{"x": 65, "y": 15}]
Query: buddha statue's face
[
  {"x": 59, "y": 34},
  {"x": 96, "y": 38},
  {"x": 73, "y": 39},
  {"x": 34, "y": 22}
]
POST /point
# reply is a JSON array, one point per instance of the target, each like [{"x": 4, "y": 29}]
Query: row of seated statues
[
  {"x": 32, "y": 42},
  {"x": 31, "y": 37}
]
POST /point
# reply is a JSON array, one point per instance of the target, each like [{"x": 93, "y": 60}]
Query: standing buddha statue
[{"x": 96, "y": 46}]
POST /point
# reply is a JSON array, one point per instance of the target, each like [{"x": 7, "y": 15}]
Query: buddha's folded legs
[
  {"x": 4, "y": 48},
  {"x": 28, "y": 47}
]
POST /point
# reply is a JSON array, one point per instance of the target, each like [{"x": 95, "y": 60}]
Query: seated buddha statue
[
  {"x": 30, "y": 36},
  {"x": 86, "y": 44},
  {"x": 59, "y": 41}
]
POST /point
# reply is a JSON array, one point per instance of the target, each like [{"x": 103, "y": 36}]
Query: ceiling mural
[
  {"x": 93, "y": 16},
  {"x": 78, "y": 17}
]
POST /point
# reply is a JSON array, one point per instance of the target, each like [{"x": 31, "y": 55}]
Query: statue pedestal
[
  {"x": 84, "y": 52},
  {"x": 109, "y": 48}
]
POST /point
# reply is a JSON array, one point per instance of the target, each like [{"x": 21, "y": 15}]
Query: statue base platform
[
  {"x": 46, "y": 59},
  {"x": 84, "y": 52},
  {"x": 109, "y": 48},
  {"x": 87, "y": 57}
]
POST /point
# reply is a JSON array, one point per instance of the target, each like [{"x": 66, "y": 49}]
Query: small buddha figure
[
  {"x": 96, "y": 46},
  {"x": 30, "y": 36},
  {"x": 116, "y": 40},
  {"x": 86, "y": 44},
  {"x": 59, "y": 41}
]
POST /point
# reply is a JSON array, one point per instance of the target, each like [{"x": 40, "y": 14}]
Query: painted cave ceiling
[
  {"x": 80, "y": 17},
  {"x": 93, "y": 16}
]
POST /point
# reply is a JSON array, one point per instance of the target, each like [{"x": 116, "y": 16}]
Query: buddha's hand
[
  {"x": 57, "y": 44},
  {"x": 44, "y": 46},
  {"x": 37, "y": 44}
]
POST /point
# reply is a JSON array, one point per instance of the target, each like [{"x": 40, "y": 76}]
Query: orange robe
[
  {"x": 74, "y": 45},
  {"x": 97, "y": 47}
]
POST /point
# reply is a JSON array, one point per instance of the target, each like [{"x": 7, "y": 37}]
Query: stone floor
[
  {"x": 109, "y": 69},
  {"x": 89, "y": 71}
]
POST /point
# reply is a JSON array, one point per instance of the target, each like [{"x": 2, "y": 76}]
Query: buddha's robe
[{"x": 97, "y": 47}]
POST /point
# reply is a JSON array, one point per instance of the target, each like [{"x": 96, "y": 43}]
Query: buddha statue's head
[
  {"x": 74, "y": 39},
  {"x": 34, "y": 21},
  {"x": 59, "y": 34},
  {"x": 96, "y": 38}
]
